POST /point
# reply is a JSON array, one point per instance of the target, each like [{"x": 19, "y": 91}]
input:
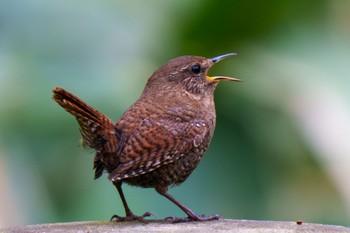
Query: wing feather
[{"x": 159, "y": 140}]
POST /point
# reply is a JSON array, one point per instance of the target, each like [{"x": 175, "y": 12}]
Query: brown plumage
[{"x": 161, "y": 138}]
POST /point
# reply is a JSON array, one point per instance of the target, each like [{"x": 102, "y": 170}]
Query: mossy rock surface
[{"x": 227, "y": 225}]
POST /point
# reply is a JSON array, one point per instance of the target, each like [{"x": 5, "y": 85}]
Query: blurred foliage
[{"x": 265, "y": 162}]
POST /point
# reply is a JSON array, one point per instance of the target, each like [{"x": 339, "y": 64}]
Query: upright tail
[{"x": 98, "y": 130}]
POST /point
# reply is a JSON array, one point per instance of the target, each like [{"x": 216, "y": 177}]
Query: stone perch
[{"x": 227, "y": 225}]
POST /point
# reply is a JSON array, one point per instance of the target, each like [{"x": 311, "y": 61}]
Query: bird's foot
[
  {"x": 132, "y": 217},
  {"x": 193, "y": 218}
]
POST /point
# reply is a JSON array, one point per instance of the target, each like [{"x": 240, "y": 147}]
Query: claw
[
  {"x": 148, "y": 214},
  {"x": 193, "y": 218},
  {"x": 132, "y": 217}
]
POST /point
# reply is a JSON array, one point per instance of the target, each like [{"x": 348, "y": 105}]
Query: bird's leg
[
  {"x": 192, "y": 216},
  {"x": 130, "y": 216}
]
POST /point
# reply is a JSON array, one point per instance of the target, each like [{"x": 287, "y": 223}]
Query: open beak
[
  {"x": 219, "y": 78},
  {"x": 219, "y": 58}
]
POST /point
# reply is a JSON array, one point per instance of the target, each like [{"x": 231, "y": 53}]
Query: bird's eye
[{"x": 196, "y": 69}]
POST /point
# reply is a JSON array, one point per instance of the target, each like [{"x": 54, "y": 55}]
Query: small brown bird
[{"x": 161, "y": 138}]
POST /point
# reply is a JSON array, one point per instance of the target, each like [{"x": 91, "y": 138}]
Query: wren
[{"x": 161, "y": 138}]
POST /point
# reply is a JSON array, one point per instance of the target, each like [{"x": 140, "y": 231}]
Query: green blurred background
[{"x": 281, "y": 149}]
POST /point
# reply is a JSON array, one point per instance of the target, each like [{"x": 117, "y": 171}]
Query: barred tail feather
[{"x": 98, "y": 130}]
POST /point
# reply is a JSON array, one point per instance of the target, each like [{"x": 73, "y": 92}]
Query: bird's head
[{"x": 186, "y": 73}]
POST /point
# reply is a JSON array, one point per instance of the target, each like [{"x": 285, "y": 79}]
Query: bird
[{"x": 160, "y": 139}]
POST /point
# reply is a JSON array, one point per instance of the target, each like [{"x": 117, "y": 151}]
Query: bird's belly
[{"x": 168, "y": 174}]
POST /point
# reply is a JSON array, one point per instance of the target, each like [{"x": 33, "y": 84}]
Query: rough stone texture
[{"x": 237, "y": 226}]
